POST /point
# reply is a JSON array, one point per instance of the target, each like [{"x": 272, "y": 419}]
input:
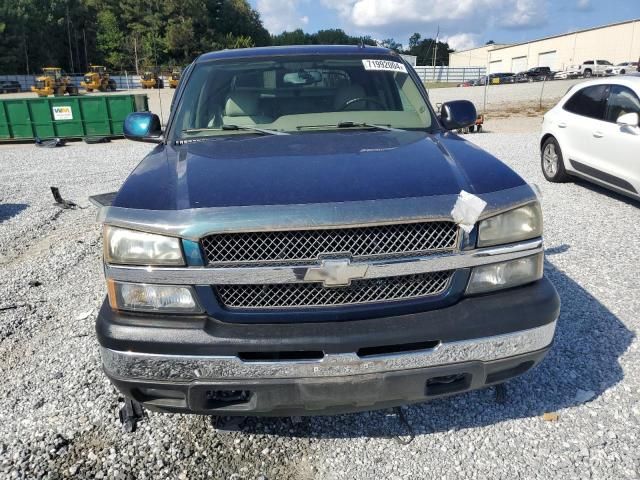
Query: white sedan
[{"x": 594, "y": 133}]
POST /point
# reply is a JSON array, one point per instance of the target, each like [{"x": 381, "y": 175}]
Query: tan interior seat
[{"x": 242, "y": 108}]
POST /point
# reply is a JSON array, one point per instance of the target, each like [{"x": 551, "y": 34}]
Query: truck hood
[{"x": 313, "y": 167}]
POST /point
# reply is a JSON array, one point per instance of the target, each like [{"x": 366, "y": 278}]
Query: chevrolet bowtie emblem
[{"x": 336, "y": 273}]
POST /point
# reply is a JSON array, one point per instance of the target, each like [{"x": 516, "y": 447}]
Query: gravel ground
[{"x": 58, "y": 411}]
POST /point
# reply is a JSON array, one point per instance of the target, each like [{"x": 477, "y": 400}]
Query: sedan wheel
[
  {"x": 550, "y": 160},
  {"x": 552, "y": 164}
]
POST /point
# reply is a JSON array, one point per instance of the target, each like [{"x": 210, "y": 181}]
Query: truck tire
[
  {"x": 72, "y": 90},
  {"x": 588, "y": 73},
  {"x": 552, "y": 163}
]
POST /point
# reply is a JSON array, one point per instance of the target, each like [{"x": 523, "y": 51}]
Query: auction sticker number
[
  {"x": 62, "y": 113},
  {"x": 384, "y": 65}
]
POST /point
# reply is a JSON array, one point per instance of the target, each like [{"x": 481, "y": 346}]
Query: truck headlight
[
  {"x": 142, "y": 297},
  {"x": 522, "y": 223},
  {"x": 130, "y": 247},
  {"x": 508, "y": 274}
]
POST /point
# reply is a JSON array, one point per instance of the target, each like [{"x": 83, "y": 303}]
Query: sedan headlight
[
  {"x": 522, "y": 223},
  {"x": 512, "y": 273},
  {"x": 142, "y": 297},
  {"x": 130, "y": 247}
]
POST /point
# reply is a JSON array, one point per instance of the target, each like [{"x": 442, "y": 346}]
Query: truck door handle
[
  {"x": 562, "y": 125},
  {"x": 598, "y": 134}
]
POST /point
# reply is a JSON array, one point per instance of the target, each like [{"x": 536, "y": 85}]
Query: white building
[{"x": 618, "y": 42}]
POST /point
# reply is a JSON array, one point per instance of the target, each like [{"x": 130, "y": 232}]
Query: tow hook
[{"x": 130, "y": 414}]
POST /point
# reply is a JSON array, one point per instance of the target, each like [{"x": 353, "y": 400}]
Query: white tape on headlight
[{"x": 467, "y": 210}]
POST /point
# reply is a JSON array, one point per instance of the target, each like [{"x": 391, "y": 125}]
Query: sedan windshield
[{"x": 300, "y": 93}]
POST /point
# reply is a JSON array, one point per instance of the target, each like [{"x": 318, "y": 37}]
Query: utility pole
[
  {"x": 26, "y": 52},
  {"x": 135, "y": 52},
  {"x": 435, "y": 53},
  {"x": 86, "y": 58},
  {"x": 69, "y": 38}
]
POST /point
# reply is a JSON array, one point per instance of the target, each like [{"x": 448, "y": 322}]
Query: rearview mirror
[
  {"x": 458, "y": 114},
  {"x": 142, "y": 127},
  {"x": 302, "y": 77},
  {"x": 628, "y": 120}
]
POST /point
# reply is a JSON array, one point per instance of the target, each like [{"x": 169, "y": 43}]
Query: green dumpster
[{"x": 67, "y": 117}]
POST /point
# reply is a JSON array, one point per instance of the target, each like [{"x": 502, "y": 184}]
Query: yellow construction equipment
[
  {"x": 97, "y": 78},
  {"x": 175, "y": 78},
  {"x": 151, "y": 79},
  {"x": 53, "y": 82}
]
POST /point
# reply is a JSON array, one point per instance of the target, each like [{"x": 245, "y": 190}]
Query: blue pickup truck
[{"x": 291, "y": 244}]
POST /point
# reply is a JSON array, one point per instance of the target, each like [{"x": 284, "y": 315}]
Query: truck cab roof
[{"x": 294, "y": 50}]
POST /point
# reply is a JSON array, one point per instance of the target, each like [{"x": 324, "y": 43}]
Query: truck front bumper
[{"x": 209, "y": 367}]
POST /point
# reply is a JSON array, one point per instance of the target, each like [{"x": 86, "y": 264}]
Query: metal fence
[
  {"x": 124, "y": 81},
  {"x": 449, "y": 74}
]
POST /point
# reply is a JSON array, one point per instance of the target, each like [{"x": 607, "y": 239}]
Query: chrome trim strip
[
  {"x": 187, "y": 368},
  {"x": 195, "y": 223},
  {"x": 294, "y": 274}
]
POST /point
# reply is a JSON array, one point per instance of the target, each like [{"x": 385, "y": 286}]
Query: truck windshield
[{"x": 300, "y": 93}]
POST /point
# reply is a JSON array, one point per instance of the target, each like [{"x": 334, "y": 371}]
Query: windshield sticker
[{"x": 384, "y": 65}]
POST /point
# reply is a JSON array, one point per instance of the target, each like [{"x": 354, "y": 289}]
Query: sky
[{"x": 463, "y": 23}]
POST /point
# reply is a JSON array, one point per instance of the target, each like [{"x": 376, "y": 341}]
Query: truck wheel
[
  {"x": 587, "y": 73},
  {"x": 479, "y": 128},
  {"x": 552, "y": 163},
  {"x": 623, "y": 71},
  {"x": 72, "y": 90},
  {"x": 472, "y": 128}
]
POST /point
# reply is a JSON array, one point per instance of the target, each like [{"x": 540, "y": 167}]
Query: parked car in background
[
  {"x": 538, "y": 74},
  {"x": 497, "y": 78},
  {"x": 520, "y": 77},
  {"x": 9, "y": 86},
  {"x": 625, "y": 67},
  {"x": 301, "y": 252},
  {"x": 594, "y": 133},
  {"x": 572, "y": 71},
  {"x": 596, "y": 68}
]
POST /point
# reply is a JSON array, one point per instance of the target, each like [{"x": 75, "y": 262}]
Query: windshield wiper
[
  {"x": 350, "y": 124},
  {"x": 235, "y": 128}
]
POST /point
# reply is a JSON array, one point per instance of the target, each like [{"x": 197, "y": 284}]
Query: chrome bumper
[{"x": 179, "y": 368}]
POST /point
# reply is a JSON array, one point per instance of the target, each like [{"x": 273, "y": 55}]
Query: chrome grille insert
[
  {"x": 305, "y": 246},
  {"x": 314, "y": 295}
]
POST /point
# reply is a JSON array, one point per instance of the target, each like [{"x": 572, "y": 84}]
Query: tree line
[{"x": 136, "y": 34}]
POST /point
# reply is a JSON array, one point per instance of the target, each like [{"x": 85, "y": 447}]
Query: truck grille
[
  {"x": 307, "y": 246},
  {"x": 305, "y": 295}
]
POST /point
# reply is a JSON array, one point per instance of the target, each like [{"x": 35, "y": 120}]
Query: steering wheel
[{"x": 362, "y": 99}]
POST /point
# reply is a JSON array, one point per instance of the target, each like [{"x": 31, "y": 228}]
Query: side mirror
[
  {"x": 628, "y": 120},
  {"x": 458, "y": 114},
  {"x": 142, "y": 127}
]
